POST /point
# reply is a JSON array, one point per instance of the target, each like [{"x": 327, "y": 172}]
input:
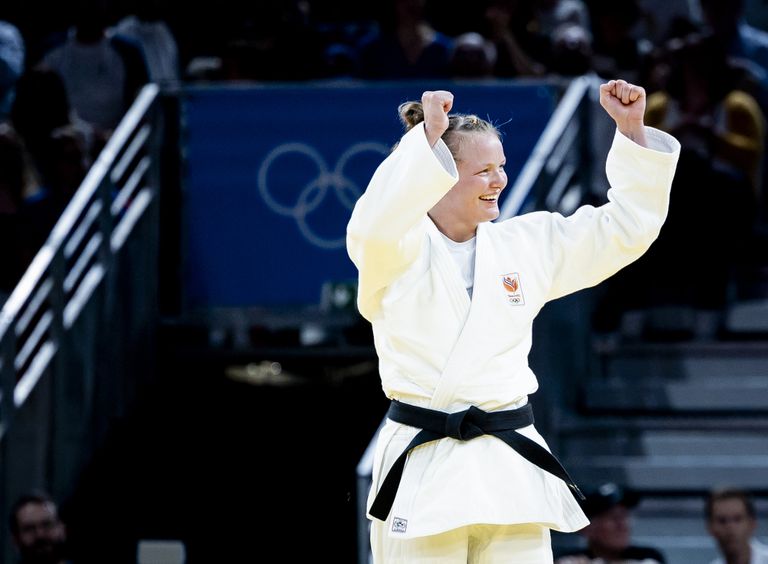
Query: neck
[
  {"x": 454, "y": 231},
  {"x": 740, "y": 555}
]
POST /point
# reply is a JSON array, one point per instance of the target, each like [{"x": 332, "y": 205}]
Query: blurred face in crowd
[
  {"x": 474, "y": 199},
  {"x": 609, "y": 532},
  {"x": 731, "y": 525},
  {"x": 39, "y": 534}
]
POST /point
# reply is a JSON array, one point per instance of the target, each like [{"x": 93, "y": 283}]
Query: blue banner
[{"x": 272, "y": 172}]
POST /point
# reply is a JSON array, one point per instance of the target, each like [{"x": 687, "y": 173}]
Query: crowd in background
[
  {"x": 39, "y": 532},
  {"x": 69, "y": 71},
  {"x": 66, "y": 80}
]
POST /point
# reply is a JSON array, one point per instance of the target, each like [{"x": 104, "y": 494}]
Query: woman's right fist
[{"x": 436, "y": 105}]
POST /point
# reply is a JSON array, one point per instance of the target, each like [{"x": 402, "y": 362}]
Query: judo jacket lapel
[{"x": 456, "y": 366}]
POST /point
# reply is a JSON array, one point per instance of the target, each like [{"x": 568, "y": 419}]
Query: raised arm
[
  {"x": 594, "y": 243},
  {"x": 388, "y": 225}
]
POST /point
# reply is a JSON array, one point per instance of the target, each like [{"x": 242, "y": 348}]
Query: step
[
  {"x": 748, "y": 317},
  {"x": 665, "y": 443},
  {"x": 714, "y": 359},
  {"x": 725, "y": 392},
  {"x": 695, "y": 376},
  {"x": 578, "y": 423},
  {"x": 671, "y": 473}
]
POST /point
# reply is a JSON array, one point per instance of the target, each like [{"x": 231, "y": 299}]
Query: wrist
[
  {"x": 634, "y": 133},
  {"x": 433, "y": 134}
]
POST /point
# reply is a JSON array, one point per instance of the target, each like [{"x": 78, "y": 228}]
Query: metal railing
[
  {"x": 561, "y": 158},
  {"x": 559, "y": 167},
  {"x": 77, "y": 328}
]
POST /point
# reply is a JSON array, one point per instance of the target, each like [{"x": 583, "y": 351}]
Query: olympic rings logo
[{"x": 326, "y": 182}]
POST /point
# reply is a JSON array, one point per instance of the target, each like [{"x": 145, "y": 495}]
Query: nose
[{"x": 499, "y": 180}]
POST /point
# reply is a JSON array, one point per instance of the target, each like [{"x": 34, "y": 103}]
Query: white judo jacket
[{"x": 439, "y": 349}]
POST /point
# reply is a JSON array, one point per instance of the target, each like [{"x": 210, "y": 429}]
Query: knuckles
[{"x": 436, "y": 96}]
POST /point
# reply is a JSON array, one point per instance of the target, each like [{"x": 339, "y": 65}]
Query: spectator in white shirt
[{"x": 732, "y": 521}]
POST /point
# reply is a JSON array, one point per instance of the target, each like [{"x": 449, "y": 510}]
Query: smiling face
[{"x": 474, "y": 198}]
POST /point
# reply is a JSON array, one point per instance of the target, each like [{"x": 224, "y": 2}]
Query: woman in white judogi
[{"x": 452, "y": 298}]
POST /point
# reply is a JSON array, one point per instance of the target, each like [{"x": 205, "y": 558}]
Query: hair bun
[{"x": 411, "y": 114}]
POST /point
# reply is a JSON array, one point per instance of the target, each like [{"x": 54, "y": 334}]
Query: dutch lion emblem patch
[{"x": 512, "y": 288}]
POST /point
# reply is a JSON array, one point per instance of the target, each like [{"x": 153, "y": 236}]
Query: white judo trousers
[
  {"x": 441, "y": 350},
  {"x": 474, "y": 544}
]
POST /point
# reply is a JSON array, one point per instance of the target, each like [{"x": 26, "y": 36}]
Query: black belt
[{"x": 464, "y": 426}]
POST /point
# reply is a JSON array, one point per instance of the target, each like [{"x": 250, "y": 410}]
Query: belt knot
[{"x": 465, "y": 425}]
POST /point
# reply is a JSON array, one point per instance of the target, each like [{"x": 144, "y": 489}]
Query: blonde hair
[{"x": 412, "y": 114}]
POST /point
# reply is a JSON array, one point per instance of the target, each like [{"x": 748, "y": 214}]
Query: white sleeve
[
  {"x": 594, "y": 243},
  {"x": 388, "y": 222}
]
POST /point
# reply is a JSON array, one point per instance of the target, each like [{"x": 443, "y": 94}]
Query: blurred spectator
[
  {"x": 340, "y": 60},
  {"x": 11, "y": 196},
  {"x": 552, "y": 14},
  {"x": 732, "y": 521},
  {"x": 58, "y": 149},
  {"x": 660, "y": 18},
  {"x": 520, "y": 51},
  {"x": 102, "y": 73},
  {"x": 37, "y": 531},
  {"x": 473, "y": 56},
  {"x": 277, "y": 41},
  {"x": 609, "y": 533},
  {"x": 18, "y": 185},
  {"x": 11, "y": 64},
  {"x": 147, "y": 28},
  {"x": 63, "y": 164},
  {"x": 739, "y": 39},
  {"x": 703, "y": 107},
  {"x": 618, "y": 47},
  {"x": 340, "y": 29},
  {"x": 565, "y": 27},
  {"x": 405, "y": 45},
  {"x": 12, "y": 170},
  {"x": 32, "y": 198},
  {"x": 571, "y": 50},
  {"x": 42, "y": 105},
  {"x": 533, "y": 38}
]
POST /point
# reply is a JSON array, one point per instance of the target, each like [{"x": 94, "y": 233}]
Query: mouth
[{"x": 490, "y": 198}]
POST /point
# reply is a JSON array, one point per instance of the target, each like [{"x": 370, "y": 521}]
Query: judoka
[{"x": 460, "y": 473}]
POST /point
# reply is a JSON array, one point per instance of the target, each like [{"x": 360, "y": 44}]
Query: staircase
[{"x": 673, "y": 420}]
